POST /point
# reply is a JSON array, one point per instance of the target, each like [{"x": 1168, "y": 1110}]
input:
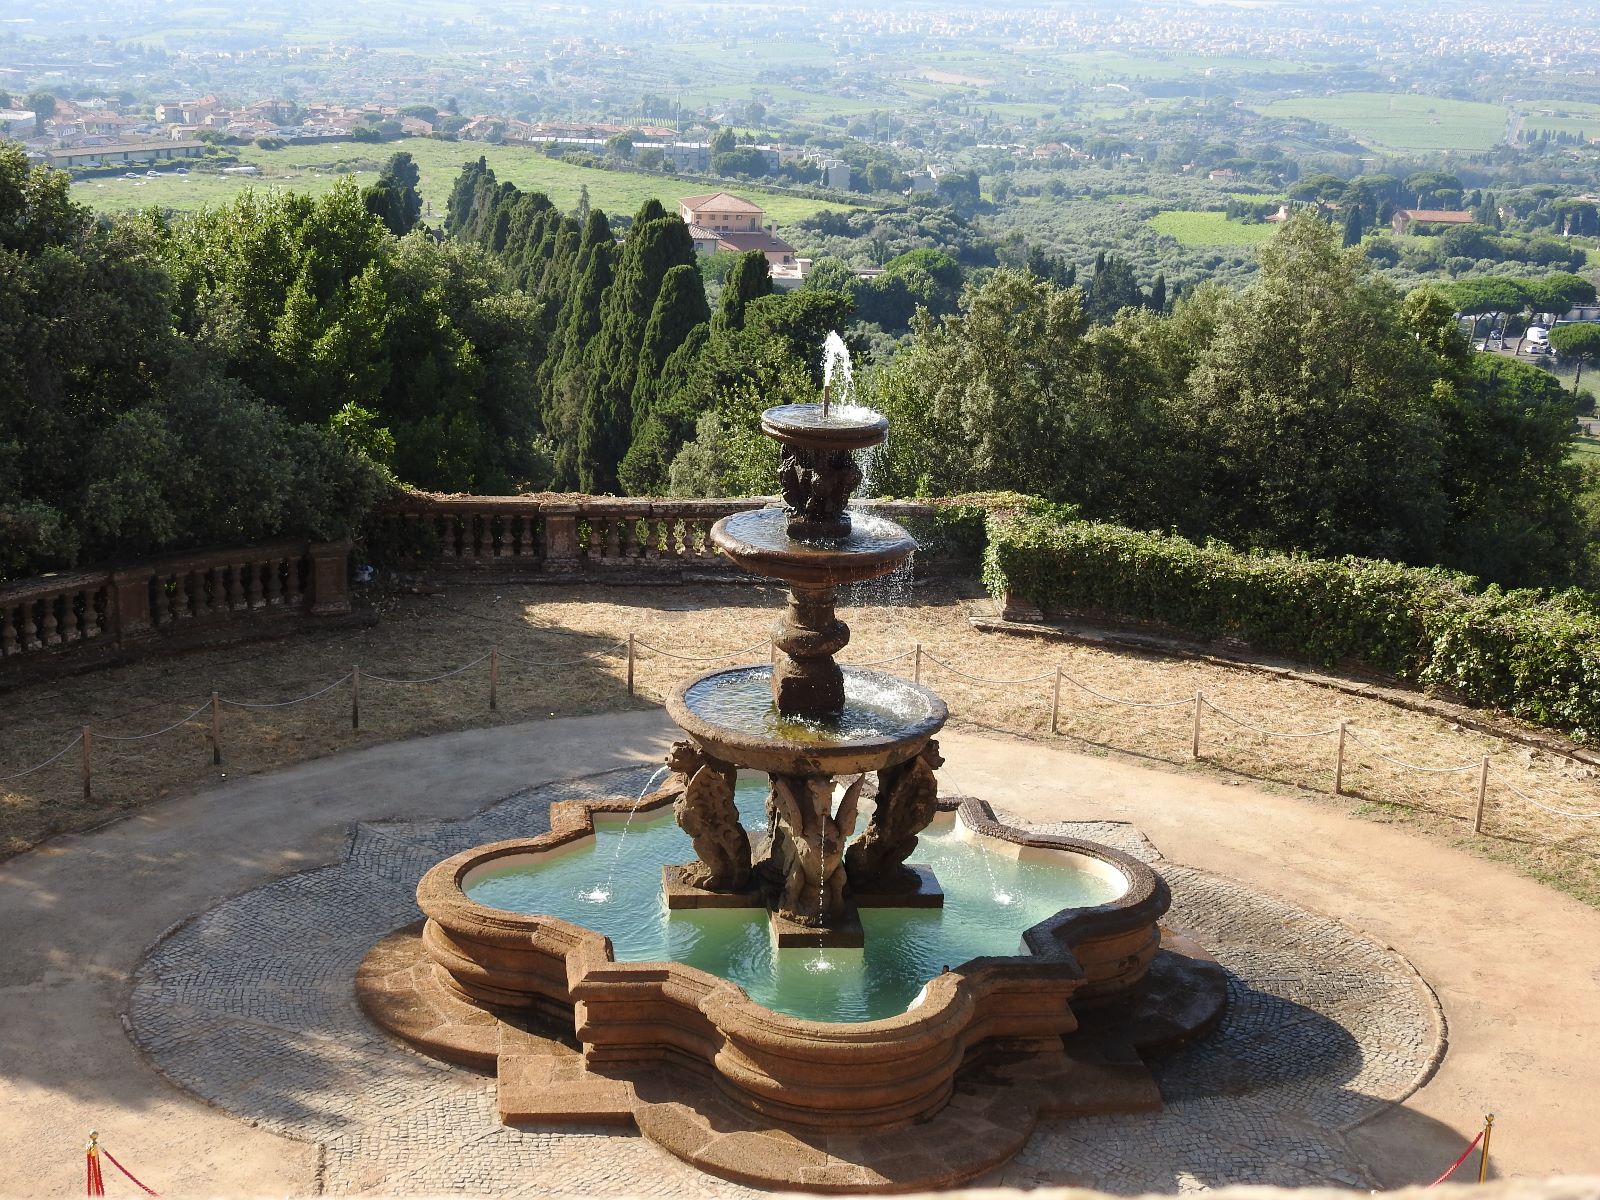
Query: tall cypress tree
[
  {"x": 680, "y": 315},
  {"x": 463, "y": 192},
  {"x": 749, "y": 278},
  {"x": 611, "y": 360},
  {"x": 579, "y": 323}
]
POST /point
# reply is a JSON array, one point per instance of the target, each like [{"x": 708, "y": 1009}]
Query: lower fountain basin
[
  {"x": 758, "y": 540},
  {"x": 730, "y": 714},
  {"x": 855, "y": 1075}
]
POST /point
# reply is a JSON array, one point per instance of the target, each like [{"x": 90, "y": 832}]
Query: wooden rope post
[
  {"x": 1483, "y": 795},
  {"x": 1338, "y": 763},
  {"x": 86, "y": 743},
  {"x": 1483, "y": 1150},
  {"x": 494, "y": 678},
  {"x": 772, "y": 652},
  {"x": 355, "y": 696},
  {"x": 916, "y": 665},
  {"x": 630, "y": 664},
  {"x": 1055, "y": 704},
  {"x": 216, "y": 730},
  {"x": 1194, "y": 746}
]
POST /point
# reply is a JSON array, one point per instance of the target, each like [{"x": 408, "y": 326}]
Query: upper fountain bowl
[
  {"x": 758, "y": 540},
  {"x": 839, "y": 427}
]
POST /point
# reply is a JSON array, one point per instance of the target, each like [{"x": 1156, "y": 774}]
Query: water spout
[{"x": 836, "y": 357}]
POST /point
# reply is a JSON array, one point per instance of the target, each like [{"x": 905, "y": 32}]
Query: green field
[
  {"x": 1191, "y": 228},
  {"x": 1401, "y": 121},
  {"x": 315, "y": 169}
]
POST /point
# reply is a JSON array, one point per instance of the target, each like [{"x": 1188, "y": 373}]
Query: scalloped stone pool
[{"x": 611, "y": 883}]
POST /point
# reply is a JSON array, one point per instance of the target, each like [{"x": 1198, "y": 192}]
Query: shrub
[{"x": 1535, "y": 654}]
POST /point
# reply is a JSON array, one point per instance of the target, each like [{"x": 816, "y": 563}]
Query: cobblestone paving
[{"x": 250, "y": 1006}]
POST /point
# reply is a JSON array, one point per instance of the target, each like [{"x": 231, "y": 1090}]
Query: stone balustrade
[
  {"x": 167, "y": 597},
  {"x": 564, "y": 535}
]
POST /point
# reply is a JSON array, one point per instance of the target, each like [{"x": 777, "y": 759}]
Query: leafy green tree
[
  {"x": 1579, "y": 342},
  {"x": 1355, "y": 225},
  {"x": 723, "y": 140}
]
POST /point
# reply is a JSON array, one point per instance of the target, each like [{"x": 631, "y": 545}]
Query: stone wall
[{"x": 209, "y": 595}]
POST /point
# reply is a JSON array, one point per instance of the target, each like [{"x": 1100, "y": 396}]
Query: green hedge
[{"x": 1533, "y": 654}]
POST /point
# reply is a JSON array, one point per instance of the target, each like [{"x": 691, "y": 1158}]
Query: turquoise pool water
[{"x": 990, "y": 899}]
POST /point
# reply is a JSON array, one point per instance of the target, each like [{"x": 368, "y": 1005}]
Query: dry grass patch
[{"x": 424, "y": 635}]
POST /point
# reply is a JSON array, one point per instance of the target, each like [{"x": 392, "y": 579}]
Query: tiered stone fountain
[
  {"x": 805, "y": 720},
  {"x": 514, "y": 939}
]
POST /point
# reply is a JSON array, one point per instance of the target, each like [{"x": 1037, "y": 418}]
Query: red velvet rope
[
  {"x": 1437, "y": 1181},
  {"x": 150, "y": 1192}
]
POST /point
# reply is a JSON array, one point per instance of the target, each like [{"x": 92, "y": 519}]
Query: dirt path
[{"x": 1514, "y": 964}]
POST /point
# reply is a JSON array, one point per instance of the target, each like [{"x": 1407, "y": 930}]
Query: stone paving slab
[{"x": 250, "y": 1006}]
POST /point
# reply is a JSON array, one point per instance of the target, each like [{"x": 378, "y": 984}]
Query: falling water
[
  {"x": 601, "y": 893},
  {"x": 1001, "y": 897}
]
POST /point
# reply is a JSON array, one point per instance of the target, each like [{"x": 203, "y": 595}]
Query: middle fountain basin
[{"x": 729, "y": 713}]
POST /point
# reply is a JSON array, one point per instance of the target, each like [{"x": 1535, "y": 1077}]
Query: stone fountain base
[{"x": 933, "y": 1096}]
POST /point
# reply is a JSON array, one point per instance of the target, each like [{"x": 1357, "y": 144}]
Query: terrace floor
[{"x": 213, "y": 882}]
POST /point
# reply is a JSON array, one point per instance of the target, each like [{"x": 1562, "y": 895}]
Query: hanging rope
[
  {"x": 1409, "y": 766},
  {"x": 76, "y": 738},
  {"x": 339, "y": 682},
  {"x": 1452, "y": 1168},
  {"x": 1243, "y": 724},
  {"x": 1187, "y": 700},
  {"x": 111, "y": 737}
]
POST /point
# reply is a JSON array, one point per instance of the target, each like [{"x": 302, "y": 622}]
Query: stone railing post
[
  {"x": 560, "y": 538},
  {"x": 330, "y": 578},
  {"x": 130, "y": 604}
]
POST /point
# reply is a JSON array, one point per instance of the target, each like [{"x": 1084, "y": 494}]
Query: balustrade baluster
[
  {"x": 160, "y": 608},
  {"x": 183, "y": 605},
  {"x": 51, "y": 637},
  {"x": 69, "y": 617},
  {"x": 94, "y": 613},
  {"x": 8, "y": 633},
  {"x": 254, "y": 592},
  {"x": 522, "y": 533},
  {"x": 273, "y": 593},
  {"x": 234, "y": 573},
  {"x": 293, "y": 586},
  {"x": 613, "y": 545}
]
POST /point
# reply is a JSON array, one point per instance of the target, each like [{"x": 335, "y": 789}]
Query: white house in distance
[{"x": 724, "y": 222}]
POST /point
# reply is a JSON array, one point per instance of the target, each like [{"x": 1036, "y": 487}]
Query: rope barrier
[
  {"x": 1588, "y": 816},
  {"x": 878, "y": 662},
  {"x": 549, "y": 662},
  {"x": 495, "y": 655},
  {"x": 484, "y": 657},
  {"x": 1452, "y": 1168},
  {"x": 345, "y": 678},
  {"x": 1187, "y": 700},
  {"x": 1222, "y": 712},
  {"x": 76, "y": 738},
  {"x": 111, "y": 737},
  {"x": 983, "y": 678},
  {"x": 146, "y": 1190},
  {"x": 1400, "y": 762},
  {"x": 701, "y": 657}
]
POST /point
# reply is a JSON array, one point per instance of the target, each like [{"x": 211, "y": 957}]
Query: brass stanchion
[{"x": 1488, "y": 1128}]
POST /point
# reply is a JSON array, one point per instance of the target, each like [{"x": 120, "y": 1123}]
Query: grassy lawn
[
  {"x": 315, "y": 169},
  {"x": 1402, "y": 121},
  {"x": 1192, "y": 228}
]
